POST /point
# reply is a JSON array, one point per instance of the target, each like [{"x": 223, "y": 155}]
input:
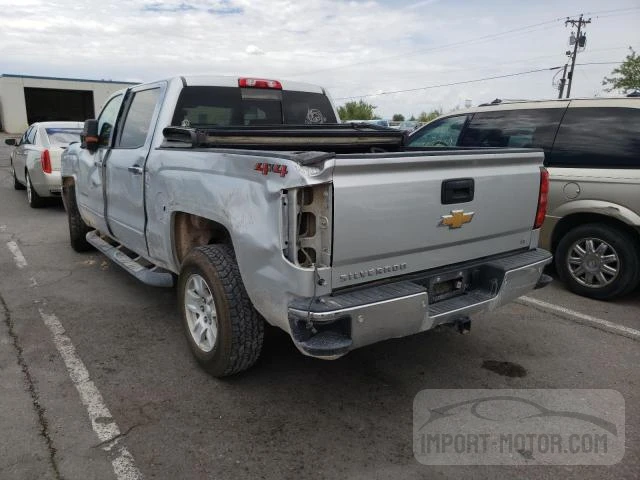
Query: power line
[
  {"x": 463, "y": 82},
  {"x": 342, "y": 85},
  {"x": 451, "y": 84},
  {"x": 599, "y": 63},
  {"x": 612, "y": 11},
  {"x": 482, "y": 38}
]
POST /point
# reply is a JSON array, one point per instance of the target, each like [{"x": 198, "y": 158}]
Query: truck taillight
[
  {"x": 45, "y": 161},
  {"x": 307, "y": 225},
  {"x": 259, "y": 83},
  {"x": 543, "y": 197}
]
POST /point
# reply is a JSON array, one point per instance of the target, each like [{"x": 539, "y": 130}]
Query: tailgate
[{"x": 389, "y": 212}]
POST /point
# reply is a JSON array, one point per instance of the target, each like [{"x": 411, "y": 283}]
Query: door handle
[
  {"x": 135, "y": 169},
  {"x": 458, "y": 190}
]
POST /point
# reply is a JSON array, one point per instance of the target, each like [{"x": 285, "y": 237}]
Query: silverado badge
[{"x": 456, "y": 219}]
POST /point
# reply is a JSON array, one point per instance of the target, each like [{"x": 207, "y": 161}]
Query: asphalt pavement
[{"x": 97, "y": 381}]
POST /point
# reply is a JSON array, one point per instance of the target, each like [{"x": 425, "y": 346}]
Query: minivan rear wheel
[{"x": 598, "y": 261}]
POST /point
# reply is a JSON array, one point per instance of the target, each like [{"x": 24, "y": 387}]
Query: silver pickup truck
[{"x": 262, "y": 206}]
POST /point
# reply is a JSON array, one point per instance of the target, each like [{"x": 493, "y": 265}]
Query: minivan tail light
[
  {"x": 45, "y": 161},
  {"x": 543, "y": 198},
  {"x": 259, "y": 83}
]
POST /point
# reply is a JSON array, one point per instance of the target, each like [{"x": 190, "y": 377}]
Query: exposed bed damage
[{"x": 248, "y": 210}]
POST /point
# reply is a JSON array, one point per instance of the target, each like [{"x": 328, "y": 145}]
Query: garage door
[{"x": 48, "y": 104}]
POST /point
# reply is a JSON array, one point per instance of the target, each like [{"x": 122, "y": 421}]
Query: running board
[{"x": 154, "y": 276}]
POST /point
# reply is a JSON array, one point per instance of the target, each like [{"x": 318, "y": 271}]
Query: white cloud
[
  {"x": 253, "y": 50},
  {"x": 421, "y": 4},
  {"x": 351, "y": 47}
]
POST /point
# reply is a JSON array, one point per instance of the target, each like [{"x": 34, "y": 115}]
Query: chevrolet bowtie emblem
[{"x": 456, "y": 219}]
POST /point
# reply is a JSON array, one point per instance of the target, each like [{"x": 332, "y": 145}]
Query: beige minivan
[{"x": 592, "y": 152}]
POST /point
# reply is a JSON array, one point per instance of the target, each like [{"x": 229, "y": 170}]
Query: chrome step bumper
[{"x": 356, "y": 318}]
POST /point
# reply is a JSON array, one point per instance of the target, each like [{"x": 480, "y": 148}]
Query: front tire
[
  {"x": 16, "y": 184},
  {"x": 598, "y": 261},
  {"x": 77, "y": 228},
  {"x": 224, "y": 331}
]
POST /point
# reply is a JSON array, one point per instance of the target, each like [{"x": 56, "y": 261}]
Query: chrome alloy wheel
[
  {"x": 201, "y": 313},
  {"x": 593, "y": 262}
]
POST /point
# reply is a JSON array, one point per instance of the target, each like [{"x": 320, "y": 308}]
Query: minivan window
[
  {"x": 600, "y": 137},
  {"x": 230, "y": 106},
  {"x": 440, "y": 133},
  {"x": 524, "y": 128}
]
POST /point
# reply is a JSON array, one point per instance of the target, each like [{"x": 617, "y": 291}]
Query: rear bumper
[
  {"x": 46, "y": 184},
  {"x": 330, "y": 326}
]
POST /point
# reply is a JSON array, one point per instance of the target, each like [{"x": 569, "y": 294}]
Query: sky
[{"x": 356, "y": 49}]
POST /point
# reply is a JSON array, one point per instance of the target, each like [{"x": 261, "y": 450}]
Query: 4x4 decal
[{"x": 267, "y": 168}]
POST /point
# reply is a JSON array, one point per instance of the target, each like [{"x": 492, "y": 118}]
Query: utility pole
[
  {"x": 563, "y": 80},
  {"x": 580, "y": 40}
]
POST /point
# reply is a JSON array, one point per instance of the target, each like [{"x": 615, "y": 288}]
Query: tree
[
  {"x": 359, "y": 110},
  {"x": 427, "y": 117},
  {"x": 398, "y": 117},
  {"x": 413, "y": 118},
  {"x": 626, "y": 77}
]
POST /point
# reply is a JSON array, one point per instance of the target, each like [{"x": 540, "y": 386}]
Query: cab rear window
[{"x": 231, "y": 106}]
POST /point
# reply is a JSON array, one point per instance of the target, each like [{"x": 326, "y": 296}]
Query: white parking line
[
  {"x": 21, "y": 262},
  {"x": 583, "y": 318},
  {"x": 101, "y": 420}
]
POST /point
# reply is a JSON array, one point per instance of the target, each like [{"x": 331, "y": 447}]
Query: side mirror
[
  {"x": 90, "y": 137},
  {"x": 10, "y": 141}
]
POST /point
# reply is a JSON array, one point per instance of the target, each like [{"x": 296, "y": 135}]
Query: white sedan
[{"x": 35, "y": 161}]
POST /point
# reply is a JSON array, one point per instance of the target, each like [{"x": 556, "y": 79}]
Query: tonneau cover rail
[{"x": 287, "y": 137}]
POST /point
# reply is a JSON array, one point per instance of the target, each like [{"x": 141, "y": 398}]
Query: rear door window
[
  {"x": 138, "y": 120},
  {"x": 526, "y": 128},
  {"x": 440, "y": 133},
  {"x": 31, "y": 136},
  {"x": 598, "y": 137},
  {"x": 231, "y": 106}
]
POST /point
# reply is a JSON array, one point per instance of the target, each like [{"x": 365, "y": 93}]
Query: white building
[{"x": 26, "y": 99}]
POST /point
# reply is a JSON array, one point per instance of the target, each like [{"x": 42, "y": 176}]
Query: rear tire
[
  {"x": 16, "y": 184},
  {"x": 611, "y": 270},
  {"x": 224, "y": 331},
  {"x": 35, "y": 200},
  {"x": 77, "y": 228}
]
